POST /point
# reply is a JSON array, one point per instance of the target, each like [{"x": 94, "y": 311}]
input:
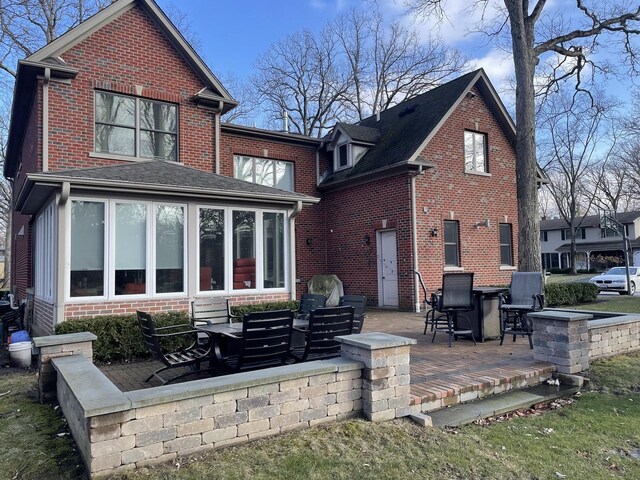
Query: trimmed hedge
[
  {"x": 560, "y": 294},
  {"x": 119, "y": 337}
]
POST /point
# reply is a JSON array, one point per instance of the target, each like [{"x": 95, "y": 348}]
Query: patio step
[{"x": 465, "y": 413}]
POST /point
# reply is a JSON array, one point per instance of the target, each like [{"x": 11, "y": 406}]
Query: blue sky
[{"x": 234, "y": 33}]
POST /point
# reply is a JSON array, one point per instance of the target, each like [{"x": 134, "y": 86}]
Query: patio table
[{"x": 227, "y": 333}]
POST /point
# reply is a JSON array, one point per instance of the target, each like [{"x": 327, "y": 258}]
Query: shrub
[
  {"x": 241, "y": 310},
  {"x": 119, "y": 337},
  {"x": 559, "y": 294},
  {"x": 559, "y": 271}
]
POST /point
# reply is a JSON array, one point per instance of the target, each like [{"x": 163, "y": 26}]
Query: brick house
[{"x": 129, "y": 192}]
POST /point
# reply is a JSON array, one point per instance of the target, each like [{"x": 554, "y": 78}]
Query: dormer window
[{"x": 342, "y": 156}]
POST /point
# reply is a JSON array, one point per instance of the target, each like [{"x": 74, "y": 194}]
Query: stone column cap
[
  {"x": 53, "y": 340},
  {"x": 563, "y": 316},
  {"x": 375, "y": 340}
]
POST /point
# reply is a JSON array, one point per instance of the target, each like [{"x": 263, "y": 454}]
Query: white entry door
[{"x": 387, "y": 269}]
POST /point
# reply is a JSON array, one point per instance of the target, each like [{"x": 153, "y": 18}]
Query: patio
[{"x": 440, "y": 375}]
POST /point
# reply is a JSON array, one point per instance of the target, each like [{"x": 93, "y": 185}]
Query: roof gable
[{"x": 53, "y": 50}]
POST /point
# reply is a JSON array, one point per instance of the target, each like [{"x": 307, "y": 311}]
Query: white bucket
[{"x": 20, "y": 353}]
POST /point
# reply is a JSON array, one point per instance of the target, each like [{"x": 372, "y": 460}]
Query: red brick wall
[
  {"x": 311, "y": 258},
  {"x": 128, "y": 52},
  {"x": 357, "y": 211},
  {"x": 31, "y": 161},
  {"x": 471, "y": 198},
  {"x": 79, "y": 310}
]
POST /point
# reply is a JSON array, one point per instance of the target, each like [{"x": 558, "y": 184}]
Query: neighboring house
[
  {"x": 595, "y": 247},
  {"x": 129, "y": 193}
]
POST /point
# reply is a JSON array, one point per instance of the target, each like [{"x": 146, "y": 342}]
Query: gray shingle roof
[
  {"x": 358, "y": 133},
  {"x": 589, "y": 221},
  {"x": 404, "y": 127},
  {"x": 157, "y": 173}
]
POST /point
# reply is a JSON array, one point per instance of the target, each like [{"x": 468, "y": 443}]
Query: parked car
[{"x": 615, "y": 280}]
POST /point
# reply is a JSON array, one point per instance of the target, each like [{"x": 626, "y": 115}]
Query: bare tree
[
  {"x": 244, "y": 92},
  {"x": 574, "y": 136},
  {"x": 388, "y": 63},
  {"x": 568, "y": 42},
  {"x": 357, "y": 66},
  {"x": 301, "y": 75},
  {"x": 614, "y": 182}
]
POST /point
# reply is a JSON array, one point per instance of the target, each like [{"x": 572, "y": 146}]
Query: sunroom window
[{"x": 87, "y": 248}]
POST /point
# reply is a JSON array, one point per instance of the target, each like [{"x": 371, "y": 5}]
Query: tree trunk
[{"x": 526, "y": 185}]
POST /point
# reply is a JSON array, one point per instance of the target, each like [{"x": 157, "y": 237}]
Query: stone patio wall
[
  {"x": 118, "y": 431},
  {"x": 613, "y": 336},
  {"x": 570, "y": 338}
]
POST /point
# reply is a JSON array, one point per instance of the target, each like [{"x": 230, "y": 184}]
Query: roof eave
[
  {"x": 377, "y": 174},
  {"x": 234, "y": 129},
  {"x": 33, "y": 188}
]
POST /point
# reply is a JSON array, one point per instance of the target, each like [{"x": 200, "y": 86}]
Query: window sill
[
  {"x": 481, "y": 174},
  {"x": 342, "y": 168},
  {"x": 454, "y": 269},
  {"x": 508, "y": 267},
  {"x": 125, "y": 158}
]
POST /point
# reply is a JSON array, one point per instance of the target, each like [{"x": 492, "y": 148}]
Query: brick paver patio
[{"x": 437, "y": 371}]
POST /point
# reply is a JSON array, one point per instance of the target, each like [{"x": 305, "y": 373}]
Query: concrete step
[{"x": 465, "y": 413}]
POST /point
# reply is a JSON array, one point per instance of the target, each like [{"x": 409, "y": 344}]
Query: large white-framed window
[
  {"x": 242, "y": 249},
  {"x": 342, "y": 156},
  {"x": 475, "y": 152},
  {"x": 122, "y": 248},
  {"x": 87, "y": 254},
  {"x": 44, "y": 253},
  {"x": 135, "y": 127},
  {"x": 264, "y": 171}
]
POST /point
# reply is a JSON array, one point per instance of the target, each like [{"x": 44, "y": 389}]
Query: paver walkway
[{"x": 437, "y": 371}]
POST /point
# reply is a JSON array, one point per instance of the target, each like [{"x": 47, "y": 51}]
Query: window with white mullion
[
  {"x": 135, "y": 127},
  {"x": 169, "y": 252},
  {"x": 88, "y": 260}
]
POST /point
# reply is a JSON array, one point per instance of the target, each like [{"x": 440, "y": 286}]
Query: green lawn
[
  {"x": 612, "y": 303},
  {"x": 566, "y": 278},
  {"x": 594, "y": 437}
]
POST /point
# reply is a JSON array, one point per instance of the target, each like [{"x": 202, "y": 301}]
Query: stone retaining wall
[
  {"x": 613, "y": 336},
  {"x": 569, "y": 339},
  {"x": 118, "y": 431}
]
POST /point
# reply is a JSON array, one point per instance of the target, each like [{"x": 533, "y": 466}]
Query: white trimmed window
[
  {"x": 242, "y": 249},
  {"x": 506, "y": 244},
  {"x": 272, "y": 173},
  {"x": 44, "y": 253},
  {"x": 451, "y": 243},
  {"x": 342, "y": 156},
  {"x": 135, "y": 127},
  {"x": 475, "y": 152},
  {"x": 122, "y": 248}
]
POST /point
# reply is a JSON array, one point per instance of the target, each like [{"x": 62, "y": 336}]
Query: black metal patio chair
[
  {"x": 210, "y": 311},
  {"x": 359, "y": 304},
  {"x": 430, "y": 304},
  {"x": 191, "y": 356},
  {"x": 12, "y": 320},
  {"x": 265, "y": 341},
  {"x": 456, "y": 298},
  {"x": 324, "y": 325},
  {"x": 308, "y": 303},
  {"x": 526, "y": 295}
]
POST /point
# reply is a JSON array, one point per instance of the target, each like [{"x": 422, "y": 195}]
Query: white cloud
[
  {"x": 318, "y": 4},
  {"x": 498, "y": 65}
]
